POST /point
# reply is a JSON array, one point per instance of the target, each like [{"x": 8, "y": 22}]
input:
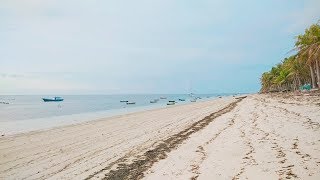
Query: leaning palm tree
[
  {"x": 298, "y": 71},
  {"x": 308, "y": 46}
]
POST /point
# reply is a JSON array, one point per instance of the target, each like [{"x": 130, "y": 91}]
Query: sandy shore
[{"x": 259, "y": 137}]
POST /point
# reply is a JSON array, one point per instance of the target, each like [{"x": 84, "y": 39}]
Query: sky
[{"x": 145, "y": 46}]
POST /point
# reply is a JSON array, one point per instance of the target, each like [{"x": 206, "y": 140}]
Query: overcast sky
[{"x": 145, "y": 46}]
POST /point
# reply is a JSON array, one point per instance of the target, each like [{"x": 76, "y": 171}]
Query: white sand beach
[
  {"x": 258, "y": 137},
  {"x": 261, "y": 138}
]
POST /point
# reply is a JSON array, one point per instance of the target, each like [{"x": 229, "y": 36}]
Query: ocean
[{"x": 29, "y": 112}]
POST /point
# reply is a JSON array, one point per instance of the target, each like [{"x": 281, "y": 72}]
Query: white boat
[{"x": 171, "y": 103}]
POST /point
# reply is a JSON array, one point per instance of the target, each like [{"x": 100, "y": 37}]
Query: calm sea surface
[{"x": 26, "y": 107}]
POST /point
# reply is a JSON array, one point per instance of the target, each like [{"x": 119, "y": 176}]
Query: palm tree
[
  {"x": 308, "y": 45},
  {"x": 266, "y": 81},
  {"x": 297, "y": 70}
]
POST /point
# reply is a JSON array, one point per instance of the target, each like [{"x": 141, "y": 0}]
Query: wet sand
[{"x": 258, "y": 137}]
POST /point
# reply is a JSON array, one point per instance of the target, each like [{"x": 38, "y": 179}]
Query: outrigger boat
[{"x": 52, "y": 99}]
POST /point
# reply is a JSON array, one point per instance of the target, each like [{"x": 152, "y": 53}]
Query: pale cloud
[
  {"x": 6, "y": 75},
  {"x": 304, "y": 17},
  {"x": 37, "y": 84},
  {"x": 144, "y": 45}
]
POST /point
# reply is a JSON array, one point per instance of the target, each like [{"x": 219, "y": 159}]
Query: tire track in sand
[
  {"x": 201, "y": 150},
  {"x": 138, "y": 165}
]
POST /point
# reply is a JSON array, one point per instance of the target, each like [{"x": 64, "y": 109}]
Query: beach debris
[
  {"x": 135, "y": 169},
  {"x": 242, "y": 97}
]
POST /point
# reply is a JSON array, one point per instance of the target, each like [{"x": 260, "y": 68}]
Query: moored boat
[
  {"x": 52, "y": 99},
  {"x": 131, "y": 103},
  {"x": 171, "y": 103}
]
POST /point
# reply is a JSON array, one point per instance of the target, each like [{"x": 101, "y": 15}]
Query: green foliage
[{"x": 294, "y": 71}]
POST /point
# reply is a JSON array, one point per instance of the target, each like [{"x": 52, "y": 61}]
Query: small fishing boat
[
  {"x": 154, "y": 101},
  {"x": 193, "y": 100},
  {"x": 124, "y": 101},
  {"x": 163, "y": 98},
  {"x": 171, "y": 103},
  {"x": 181, "y": 99},
  {"x": 52, "y": 99},
  {"x": 131, "y": 103}
]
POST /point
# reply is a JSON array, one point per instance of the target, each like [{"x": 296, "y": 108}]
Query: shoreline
[
  {"x": 83, "y": 149},
  {"x": 275, "y": 137},
  {"x": 8, "y": 128}
]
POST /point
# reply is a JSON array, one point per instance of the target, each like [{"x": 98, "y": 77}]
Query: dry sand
[
  {"x": 262, "y": 138},
  {"x": 259, "y": 137},
  {"x": 88, "y": 149}
]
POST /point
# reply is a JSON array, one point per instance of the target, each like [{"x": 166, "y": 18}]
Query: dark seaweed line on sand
[{"x": 137, "y": 167}]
